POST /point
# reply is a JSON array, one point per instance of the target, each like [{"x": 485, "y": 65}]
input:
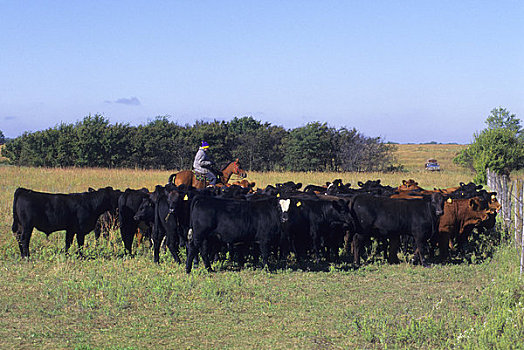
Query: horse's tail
[
  {"x": 171, "y": 179},
  {"x": 16, "y": 221}
]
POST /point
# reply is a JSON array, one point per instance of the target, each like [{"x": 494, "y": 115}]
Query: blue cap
[{"x": 205, "y": 144}]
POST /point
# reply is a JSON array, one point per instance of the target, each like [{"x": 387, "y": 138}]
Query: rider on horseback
[{"x": 204, "y": 165}]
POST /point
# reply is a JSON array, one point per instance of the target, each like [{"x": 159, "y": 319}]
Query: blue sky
[{"x": 407, "y": 71}]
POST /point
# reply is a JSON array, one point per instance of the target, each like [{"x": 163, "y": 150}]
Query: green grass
[
  {"x": 66, "y": 302},
  {"x": 109, "y": 301}
]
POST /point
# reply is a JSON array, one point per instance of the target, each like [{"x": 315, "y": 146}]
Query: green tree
[
  {"x": 160, "y": 143},
  {"x": 499, "y": 147},
  {"x": 220, "y": 140},
  {"x": 66, "y": 145},
  {"x": 120, "y": 140},
  {"x": 356, "y": 152},
  {"x": 2, "y": 138},
  {"x": 500, "y": 118},
  {"x": 93, "y": 146},
  {"x": 309, "y": 148},
  {"x": 256, "y": 144}
]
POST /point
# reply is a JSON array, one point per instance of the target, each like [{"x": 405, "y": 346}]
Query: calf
[
  {"x": 76, "y": 213},
  {"x": 108, "y": 221},
  {"x": 168, "y": 205}
]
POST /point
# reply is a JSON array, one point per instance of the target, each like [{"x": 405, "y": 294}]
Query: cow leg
[
  {"x": 355, "y": 249},
  {"x": 283, "y": 252},
  {"x": 443, "y": 246},
  {"x": 98, "y": 229},
  {"x": 158, "y": 235},
  {"x": 80, "y": 238},
  {"x": 191, "y": 253},
  {"x": 204, "y": 252},
  {"x": 18, "y": 236},
  {"x": 316, "y": 242},
  {"x": 264, "y": 251},
  {"x": 419, "y": 252},
  {"x": 394, "y": 243},
  {"x": 127, "y": 232},
  {"x": 241, "y": 254},
  {"x": 69, "y": 240},
  {"x": 23, "y": 241},
  {"x": 156, "y": 249},
  {"x": 172, "y": 244}
]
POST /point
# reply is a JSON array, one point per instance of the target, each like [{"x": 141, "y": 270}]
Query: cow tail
[
  {"x": 16, "y": 221},
  {"x": 171, "y": 179}
]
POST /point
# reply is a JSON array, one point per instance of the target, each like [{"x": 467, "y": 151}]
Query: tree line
[{"x": 163, "y": 144}]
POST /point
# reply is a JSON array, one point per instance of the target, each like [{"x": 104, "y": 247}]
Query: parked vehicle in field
[{"x": 432, "y": 165}]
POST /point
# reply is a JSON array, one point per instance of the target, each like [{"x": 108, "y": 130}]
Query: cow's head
[
  {"x": 409, "y": 185},
  {"x": 145, "y": 210},
  {"x": 437, "y": 203},
  {"x": 174, "y": 200},
  {"x": 476, "y": 213},
  {"x": 343, "y": 213},
  {"x": 284, "y": 205}
]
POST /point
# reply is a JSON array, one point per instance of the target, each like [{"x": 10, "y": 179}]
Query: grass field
[{"x": 109, "y": 301}]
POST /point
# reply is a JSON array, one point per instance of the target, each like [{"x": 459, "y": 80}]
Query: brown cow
[
  {"x": 244, "y": 183},
  {"x": 459, "y": 218},
  {"x": 410, "y": 188}
]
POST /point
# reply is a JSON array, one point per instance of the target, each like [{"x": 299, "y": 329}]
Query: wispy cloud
[
  {"x": 9, "y": 117},
  {"x": 133, "y": 101}
]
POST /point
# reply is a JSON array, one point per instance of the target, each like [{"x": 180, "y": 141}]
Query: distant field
[{"x": 413, "y": 157}]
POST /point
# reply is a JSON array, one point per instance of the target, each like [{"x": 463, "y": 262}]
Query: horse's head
[{"x": 236, "y": 169}]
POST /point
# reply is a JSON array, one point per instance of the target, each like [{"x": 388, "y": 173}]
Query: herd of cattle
[{"x": 313, "y": 223}]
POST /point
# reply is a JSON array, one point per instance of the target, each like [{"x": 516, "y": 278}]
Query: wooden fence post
[
  {"x": 517, "y": 210},
  {"x": 499, "y": 184},
  {"x": 521, "y": 206}
]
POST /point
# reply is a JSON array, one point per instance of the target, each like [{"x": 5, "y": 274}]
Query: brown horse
[{"x": 188, "y": 178}]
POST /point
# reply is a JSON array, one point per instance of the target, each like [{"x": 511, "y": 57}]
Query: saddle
[
  {"x": 200, "y": 177},
  {"x": 203, "y": 178}
]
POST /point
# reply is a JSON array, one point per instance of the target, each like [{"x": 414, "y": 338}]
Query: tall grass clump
[{"x": 500, "y": 322}]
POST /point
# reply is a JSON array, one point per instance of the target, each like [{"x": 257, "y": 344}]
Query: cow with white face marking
[{"x": 315, "y": 224}]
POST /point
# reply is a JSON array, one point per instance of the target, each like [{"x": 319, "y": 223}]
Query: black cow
[
  {"x": 389, "y": 218},
  {"x": 233, "y": 221},
  {"x": 76, "y": 213},
  {"x": 128, "y": 205},
  {"x": 316, "y": 224},
  {"x": 167, "y": 203}
]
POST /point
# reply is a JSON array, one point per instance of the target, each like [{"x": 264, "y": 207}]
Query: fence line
[{"x": 511, "y": 197}]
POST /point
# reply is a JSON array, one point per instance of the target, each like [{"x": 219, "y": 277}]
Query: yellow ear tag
[
  {"x": 493, "y": 197},
  {"x": 278, "y": 195},
  {"x": 186, "y": 197},
  {"x": 449, "y": 200},
  {"x": 299, "y": 204}
]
